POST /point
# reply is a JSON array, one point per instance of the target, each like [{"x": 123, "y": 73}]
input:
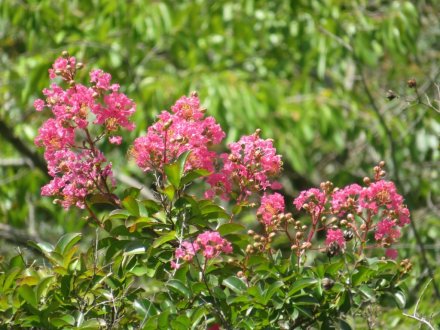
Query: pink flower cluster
[
  {"x": 249, "y": 167},
  {"x": 378, "y": 206},
  {"x": 78, "y": 168},
  {"x": 209, "y": 242},
  {"x": 335, "y": 236},
  {"x": 271, "y": 206},
  {"x": 314, "y": 198},
  {"x": 186, "y": 129}
]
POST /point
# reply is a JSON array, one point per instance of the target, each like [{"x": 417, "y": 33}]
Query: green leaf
[
  {"x": 343, "y": 325},
  {"x": 66, "y": 242},
  {"x": 179, "y": 287},
  {"x": 131, "y": 205},
  {"x": 42, "y": 246},
  {"x": 274, "y": 287},
  {"x": 169, "y": 191},
  {"x": 10, "y": 277},
  {"x": 367, "y": 292},
  {"x": 175, "y": 170},
  {"x": 62, "y": 321},
  {"x": 144, "y": 308},
  {"x": 43, "y": 286},
  {"x": 28, "y": 294},
  {"x": 229, "y": 228},
  {"x": 235, "y": 284},
  {"x": 400, "y": 299},
  {"x": 192, "y": 175},
  {"x": 164, "y": 238},
  {"x": 301, "y": 284},
  {"x": 362, "y": 275}
]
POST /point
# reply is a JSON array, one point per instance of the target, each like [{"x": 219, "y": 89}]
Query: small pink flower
[
  {"x": 249, "y": 167},
  {"x": 39, "y": 104},
  {"x": 335, "y": 235},
  {"x": 391, "y": 253},
  {"x": 115, "y": 139},
  {"x": 387, "y": 228},
  {"x": 314, "y": 198},
  {"x": 271, "y": 206}
]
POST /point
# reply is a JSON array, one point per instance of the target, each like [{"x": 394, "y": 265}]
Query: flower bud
[
  {"x": 412, "y": 83},
  {"x": 367, "y": 181},
  {"x": 65, "y": 54},
  {"x": 79, "y": 65}
]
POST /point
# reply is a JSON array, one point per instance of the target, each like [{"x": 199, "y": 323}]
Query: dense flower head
[
  {"x": 175, "y": 133},
  {"x": 335, "y": 235},
  {"x": 383, "y": 194},
  {"x": 344, "y": 200},
  {"x": 210, "y": 243},
  {"x": 387, "y": 229},
  {"x": 78, "y": 168},
  {"x": 251, "y": 166},
  {"x": 314, "y": 198},
  {"x": 75, "y": 175},
  {"x": 271, "y": 206}
]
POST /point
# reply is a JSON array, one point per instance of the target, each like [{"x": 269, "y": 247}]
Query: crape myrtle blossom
[
  {"x": 78, "y": 168},
  {"x": 272, "y": 205},
  {"x": 335, "y": 236},
  {"x": 185, "y": 129},
  {"x": 210, "y": 243},
  {"x": 250, "y": 167},
  {"x": 377, "y": 208},
  {"x": 314, "y": 198}
]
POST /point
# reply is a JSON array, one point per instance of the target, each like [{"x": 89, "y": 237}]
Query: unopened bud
[
  {"x": 299, "y": 235},
  {"x": 257, "y": 131},
  {"x": 240, "y": 274},
  {"x": 79, "y": 65},
  {"x": 382, "y": 173},
  {"x": 194, "y": 94},
  {"x": 250, "y": 232},
  {"x": 367, "y": 181},
  {"x": 65, "y": 54},
  {"x": 72, "y": 82},
  {"x": 412, "y": 83}
]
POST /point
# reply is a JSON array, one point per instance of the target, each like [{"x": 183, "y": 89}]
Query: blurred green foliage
[{"x": 312, "y": 74}]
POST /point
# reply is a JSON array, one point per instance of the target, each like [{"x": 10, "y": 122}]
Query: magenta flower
[
  {"x": 271, "y": 206},
  {"x": 387, "y": 228},
  {"x": 250, "y": 167},
  {"x": 78, "y": 168},
  {"x": 335, "y": 235},
  {"x": 210, "y": 243},
  {"x": 175, "y": 133},
  {"x": 314, "y": 198}
]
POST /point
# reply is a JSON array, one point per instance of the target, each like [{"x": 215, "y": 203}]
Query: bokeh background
[{"x": 326, "y": 79}]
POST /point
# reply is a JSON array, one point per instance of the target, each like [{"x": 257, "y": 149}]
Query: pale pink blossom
[{"x": 115, "y": 139}]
